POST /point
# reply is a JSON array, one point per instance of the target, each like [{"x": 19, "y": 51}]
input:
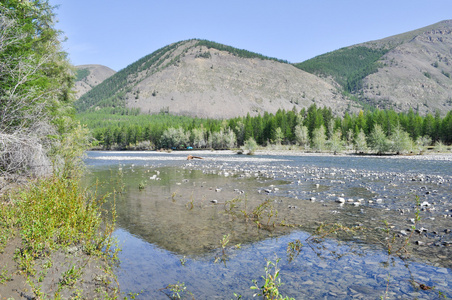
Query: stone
[
  {"x": 340, "y": 200},
  {"x": 72, "y": 250}
]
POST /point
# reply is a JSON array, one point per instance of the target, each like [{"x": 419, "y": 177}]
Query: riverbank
[
  {"x": 426, "y": 155},
  {"x": 55, "y": 243}
]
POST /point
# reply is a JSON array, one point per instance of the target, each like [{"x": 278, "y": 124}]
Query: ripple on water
[{"x": 158, "y": 227}]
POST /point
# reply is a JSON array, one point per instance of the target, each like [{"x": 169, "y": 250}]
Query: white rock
[{"x": 340, "y": 200}]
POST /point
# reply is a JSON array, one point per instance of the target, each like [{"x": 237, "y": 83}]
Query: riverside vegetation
[
  {"x": 312, "y": 129},
  {"x": 55, "y": 240}
]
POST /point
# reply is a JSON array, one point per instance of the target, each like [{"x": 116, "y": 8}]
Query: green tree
[
  {"x": 360, "y": 141},
  {"x": 35, "y": 89},
  {"x": 335, "y": 142},
  {"x": 319, "y": 138},
  {"x": 400, "y": 140},
  {"x": 198, "y": 137},
  {"x": 301, "y": 135},
  {"x": 279, "y": 136},
  {"x": 378, "y": 140},
  {"x": 428, "y": 125}
]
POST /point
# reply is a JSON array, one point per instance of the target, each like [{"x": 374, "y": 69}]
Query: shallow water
[{"x": 171, "y": 229}]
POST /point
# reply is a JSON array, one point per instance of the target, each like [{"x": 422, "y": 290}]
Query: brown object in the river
[
  {"x": 192, "y": 157},
  {"x": 424, "y": 287}
]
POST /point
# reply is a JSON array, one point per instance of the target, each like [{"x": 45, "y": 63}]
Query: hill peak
[{"x": 207, "y": 79}]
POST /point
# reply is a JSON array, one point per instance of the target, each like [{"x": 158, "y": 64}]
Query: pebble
[{"x": 340, "y": 200}]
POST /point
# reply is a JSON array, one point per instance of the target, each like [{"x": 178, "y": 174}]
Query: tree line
[{"x": 313, "y": 128}]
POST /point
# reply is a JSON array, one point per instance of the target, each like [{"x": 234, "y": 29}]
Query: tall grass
[{"x": 55, "y": 213}]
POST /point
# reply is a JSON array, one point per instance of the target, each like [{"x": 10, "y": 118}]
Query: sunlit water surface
[{"x": 173, "y": 215}]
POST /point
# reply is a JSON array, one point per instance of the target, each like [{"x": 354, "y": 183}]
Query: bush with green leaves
[
  {"x": 378, "y": 140},
  {"x": 318, "y": 141},
  {"x": 250, "y": 145},
  {"x": 400, "y": 141}
]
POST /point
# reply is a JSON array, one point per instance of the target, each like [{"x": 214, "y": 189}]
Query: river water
[{"x": 211, "y": 224}]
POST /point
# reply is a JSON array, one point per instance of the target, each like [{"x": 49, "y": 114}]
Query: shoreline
[{"x": 444, "y": 156}]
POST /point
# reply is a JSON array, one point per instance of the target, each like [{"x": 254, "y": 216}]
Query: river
[{"x": 210, "y": 225}]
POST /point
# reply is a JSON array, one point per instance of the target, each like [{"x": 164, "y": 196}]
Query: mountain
[
  {"x": 200, "y": 78},
  {"x": 207, "y": 79},
  {"x": 409, "y": 70},
  {"x": 88, "y": 76}
]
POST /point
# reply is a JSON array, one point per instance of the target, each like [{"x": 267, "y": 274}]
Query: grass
[{"x": 54, "y": 214}]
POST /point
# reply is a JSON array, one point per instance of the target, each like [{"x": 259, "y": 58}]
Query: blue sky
[{"x": 116, "y": 33}]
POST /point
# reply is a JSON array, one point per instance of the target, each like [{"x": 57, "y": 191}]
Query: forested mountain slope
[
  {"x": 409, "y": 70},
  {"x": 207, "y": 79},
  {"x": 88, "y": 76}
]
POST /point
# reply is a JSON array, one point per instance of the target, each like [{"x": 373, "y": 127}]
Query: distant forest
[
  {"x": 348, "y": 66},
  {"x": 314, "y": 128}
]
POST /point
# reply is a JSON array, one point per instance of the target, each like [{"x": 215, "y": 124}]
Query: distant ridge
[
  {"x": 201, "y": 78},
  {"x": 208, "y": 79},
  {"x": 88, "y": 76},
  {"x": 405, "y": 71}
]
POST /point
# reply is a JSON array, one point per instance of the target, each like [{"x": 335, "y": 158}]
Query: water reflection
[
  {"x": 185, "y": 211},
  {"x": 168, "y": 210}
]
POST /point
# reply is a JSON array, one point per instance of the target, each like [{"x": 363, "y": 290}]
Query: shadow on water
[{"x": 172, "y": 219}]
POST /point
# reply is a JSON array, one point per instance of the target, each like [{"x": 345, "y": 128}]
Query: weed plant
[
  {"x": 263, "y": 215},
  {"x": 270, "y": 288},
  {"x": 53, "y": 214},
  {"x": 176, "y": 291},
  {"x": 293, "y": 249}
]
